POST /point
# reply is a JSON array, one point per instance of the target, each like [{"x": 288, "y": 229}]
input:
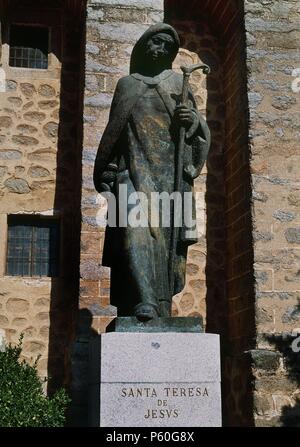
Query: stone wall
[
  {"x": 40, "y": 145},
  {"x": 29, "y": 128},
  {"x": 272, "y": 53}
]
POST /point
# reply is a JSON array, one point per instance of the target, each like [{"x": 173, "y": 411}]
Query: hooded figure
[{"x": 138, "y": 151}]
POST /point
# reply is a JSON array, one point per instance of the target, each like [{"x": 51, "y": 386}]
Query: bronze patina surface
[{"x": 139, "y": 149}]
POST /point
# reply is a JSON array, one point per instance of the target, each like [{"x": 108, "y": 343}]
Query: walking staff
[{"x": 187, "y": 71}]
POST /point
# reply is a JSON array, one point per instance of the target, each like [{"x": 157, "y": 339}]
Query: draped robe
[{"x": 140, "y": 141}]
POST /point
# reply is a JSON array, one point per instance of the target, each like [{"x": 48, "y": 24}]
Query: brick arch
[
  {"x": 222, "y": 14},
  {"x": 230, "y": 307}
]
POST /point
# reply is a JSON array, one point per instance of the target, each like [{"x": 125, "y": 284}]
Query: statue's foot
[{"x": 145, "y": 312}]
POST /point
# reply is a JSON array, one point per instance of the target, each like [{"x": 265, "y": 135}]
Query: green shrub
[{"x": 22, "y": 401}]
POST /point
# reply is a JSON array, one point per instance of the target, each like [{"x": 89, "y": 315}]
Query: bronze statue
[{"x": 156, "y": 141}]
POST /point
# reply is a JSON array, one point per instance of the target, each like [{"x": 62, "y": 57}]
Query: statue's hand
[
  {"x": 108, "y": 177},
  {"x": 184, "y": 116}
]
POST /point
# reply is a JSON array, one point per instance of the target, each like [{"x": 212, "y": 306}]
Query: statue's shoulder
[
  {"x": 173, "y": 82},
  {"x": 125, "y": 82},
  {"x": 177, "y": 76}
]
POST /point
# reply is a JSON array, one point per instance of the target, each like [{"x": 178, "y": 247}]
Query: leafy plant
[{"x": 22, "y": 401}]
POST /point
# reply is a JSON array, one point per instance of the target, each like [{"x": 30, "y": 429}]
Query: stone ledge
[{"x": 176, "y": 324}]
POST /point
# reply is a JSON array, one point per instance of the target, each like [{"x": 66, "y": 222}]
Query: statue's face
[{"x": 159, "y": 47}]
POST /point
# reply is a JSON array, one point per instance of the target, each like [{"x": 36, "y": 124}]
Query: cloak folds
[{"x": 139, "y": 145}]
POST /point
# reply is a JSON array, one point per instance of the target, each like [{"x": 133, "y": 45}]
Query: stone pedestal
[{"x": 155, "y": 380}]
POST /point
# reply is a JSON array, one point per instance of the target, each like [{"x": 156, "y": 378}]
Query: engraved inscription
[{"x": 163, "y": 409}]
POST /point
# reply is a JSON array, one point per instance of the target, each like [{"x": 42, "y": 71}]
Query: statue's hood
[{"x": 138, "y": 52}]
